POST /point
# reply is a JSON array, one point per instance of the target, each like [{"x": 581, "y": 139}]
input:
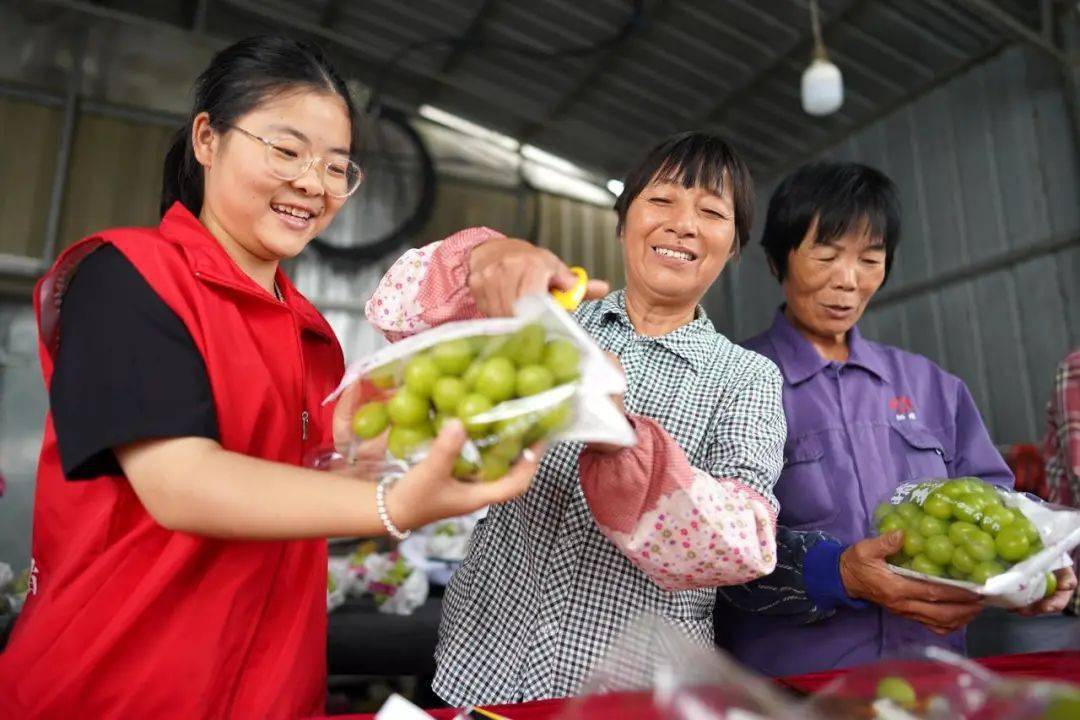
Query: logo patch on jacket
[{"x": 902, "y": 407}]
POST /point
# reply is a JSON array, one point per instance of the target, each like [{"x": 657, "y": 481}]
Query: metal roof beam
[
  {"x": 330, "y": 14},
  {"x": 598, "y": 67},
  {"x": 1016, "y": 28},
  {"x": 472, "y": 32}
]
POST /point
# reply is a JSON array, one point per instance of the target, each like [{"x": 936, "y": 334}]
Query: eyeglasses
[{"x": 289, "y": 158}]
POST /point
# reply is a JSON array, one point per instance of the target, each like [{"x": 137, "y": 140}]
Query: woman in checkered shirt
[{"x": 607, "y": 534}]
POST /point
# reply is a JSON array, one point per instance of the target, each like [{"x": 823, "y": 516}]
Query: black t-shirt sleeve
[{"x": 126, "y": 369}]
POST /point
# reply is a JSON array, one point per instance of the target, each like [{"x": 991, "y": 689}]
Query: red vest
[{"x": 136, "y": 621}]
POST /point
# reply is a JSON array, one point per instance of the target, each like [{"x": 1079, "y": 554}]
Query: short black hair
[
  {"x": 693, "y": 159},
  {"x": 843, "y": 197}
]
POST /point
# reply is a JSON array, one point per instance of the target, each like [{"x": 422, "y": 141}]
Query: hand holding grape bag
[
  {"x": 510, "y": 381},
  {"x": 968, "y": 533}
]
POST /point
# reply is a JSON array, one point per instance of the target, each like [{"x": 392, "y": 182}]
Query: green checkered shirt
[{"x": 542, "y": 593}]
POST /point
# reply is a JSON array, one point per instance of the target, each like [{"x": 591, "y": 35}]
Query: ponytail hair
[{"x": 239, "y": 79}]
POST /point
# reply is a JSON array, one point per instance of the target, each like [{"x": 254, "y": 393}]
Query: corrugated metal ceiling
[{"x": 732, "y": 66}]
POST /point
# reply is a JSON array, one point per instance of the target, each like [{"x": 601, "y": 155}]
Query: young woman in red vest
[{"x": 179, "y": 551}]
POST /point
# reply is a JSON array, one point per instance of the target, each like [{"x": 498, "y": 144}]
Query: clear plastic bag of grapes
[
  {"x": 921, "y": 684},
  {"x": 653, "y": 671},
  {"x": 999, "y": 543},
  {"x": 1034, "y": 699},
  {"x": 511, "y": 381}
]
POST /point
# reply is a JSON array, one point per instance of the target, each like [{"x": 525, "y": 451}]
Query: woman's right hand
[
  {"x": 501, "y": 270},
  {"x": 429, "y": 491},
  {"x": 866, "y": 576}
]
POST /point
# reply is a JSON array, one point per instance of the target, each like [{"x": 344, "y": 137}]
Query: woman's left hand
[{"x": 1054, "y": 604}]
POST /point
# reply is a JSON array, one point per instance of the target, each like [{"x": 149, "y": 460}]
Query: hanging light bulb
[{"x": 822, "y": 83}]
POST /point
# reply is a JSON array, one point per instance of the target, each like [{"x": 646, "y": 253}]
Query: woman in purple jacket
[{"x": 863, "y": 418}]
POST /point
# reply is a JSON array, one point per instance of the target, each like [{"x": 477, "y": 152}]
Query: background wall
[{"x": 987, "y": 278}]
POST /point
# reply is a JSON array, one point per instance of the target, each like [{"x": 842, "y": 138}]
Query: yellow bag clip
[{"x": 570, "y": 299}]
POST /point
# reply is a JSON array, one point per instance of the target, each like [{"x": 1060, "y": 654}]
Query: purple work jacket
[{"x": 857, "y": 430}]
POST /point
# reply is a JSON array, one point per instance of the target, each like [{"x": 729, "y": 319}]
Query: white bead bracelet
[{"x": 380, "y": 507}]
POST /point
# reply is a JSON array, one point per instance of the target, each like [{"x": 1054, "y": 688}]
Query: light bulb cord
[{"x": 815, "y": 27}]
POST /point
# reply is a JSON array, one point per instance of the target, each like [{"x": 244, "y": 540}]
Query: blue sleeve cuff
[{"x": 821, "y": 575}]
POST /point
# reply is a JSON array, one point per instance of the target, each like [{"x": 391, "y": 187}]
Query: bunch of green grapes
[
  {"x": 961, "y": 530},
  {"x": 467, "y": 377}
]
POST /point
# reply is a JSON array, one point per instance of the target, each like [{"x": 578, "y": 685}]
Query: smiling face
[
  {"x": 676, "y": 240},
  {"x": 246, "y": 206},
  {"x": 828, "y": 285}
]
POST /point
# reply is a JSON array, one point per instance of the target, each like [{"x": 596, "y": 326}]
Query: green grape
[
  {"x": 968, "y": 508},
  {"x": 497, "y": 379},
  {"x": 384, "y": 377},
  {"x": 909, "y": 512},
  {"x": 881, "y": 511},
  {"x": 370, "y": 420},
  {"x": 992, "y": 498},
  {"x": 407, "y": 409},
  {"x": 980, "y": 545},
  {"x": 995, "y": 519},
  {"x": 453, "y": 356},
  {"x": 985, "y": 570},
  {"x": 955, "y": 573},
  {"x": 534, "y": 379},
  {"x": 897, "y": 690},
  {"x": 972, "y": 484},
  {"x": 463, "y": 469},
  {"x": 493, "y": 467},
  {"x": 421, "y": 372},
  {"x": 1051, "y": 584},
  {"x": 914, "y": 543},
  {"x": 563, "y": 360},
  {"x": 496, "y": 346},
  {"x": 930, "y": 525},
  {"x": 953, "y": 489},
  {"x": 471, "y": 405},
  {"x": 526, "y": 346},
  {"x": 890, "y": 523},
  {"x": 556, "y": 418},
  {"x": 1012, "y": 544},
  {"x": 960, "y": 530},
  {"x": 1025, "y": 525},
  {"x": 404, "y": 441},
  {"x": 939, "y": 549},
  {"x": 478, "y": 343},
  {"x": 939, "y": 506},
  {"x": 448, "y": 393},
  {"x": 1064, "y": 706},
  {"x": 508, "y": 448},
  {"x": 962, "y": 561},
  {"x": 926, "y": 566},
  {"x": 472, "y": 374}
]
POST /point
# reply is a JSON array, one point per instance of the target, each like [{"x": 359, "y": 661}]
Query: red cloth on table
[{"x": 1058, "y": 665}]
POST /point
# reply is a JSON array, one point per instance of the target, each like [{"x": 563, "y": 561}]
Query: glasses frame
[{"x": 269, "y": 143}]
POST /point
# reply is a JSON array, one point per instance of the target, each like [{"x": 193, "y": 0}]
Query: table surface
[{"x": 1061, "y": 665}]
